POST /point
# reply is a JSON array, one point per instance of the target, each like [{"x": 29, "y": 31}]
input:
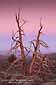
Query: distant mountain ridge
[{"x": 6, "y": 54}]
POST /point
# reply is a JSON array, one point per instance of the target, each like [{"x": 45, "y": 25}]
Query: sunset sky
[{"x": 31, "y": 11}]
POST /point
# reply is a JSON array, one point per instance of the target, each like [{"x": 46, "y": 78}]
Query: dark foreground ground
[{"x": 15, "y": 75}]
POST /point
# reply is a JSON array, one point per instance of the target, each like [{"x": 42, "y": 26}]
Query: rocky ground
[{"x": 44, "y": 76}]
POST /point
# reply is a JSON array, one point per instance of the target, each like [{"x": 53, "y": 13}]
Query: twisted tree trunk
[
  {"x": 23, "y": 57},
  {"x": 35, "y": 50}
]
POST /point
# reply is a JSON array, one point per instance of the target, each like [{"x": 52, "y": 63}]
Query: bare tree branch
[
  {"x": 24, "y": 22},
  {"x": 18, "y": 39},
  {"x": 36, "y": 46},
  {"x": 44, "y": 44}
]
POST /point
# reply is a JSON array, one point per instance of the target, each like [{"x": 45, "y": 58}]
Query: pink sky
[
  {"x": 32, "y": 16},
  {"x": 31, "y": 11}
]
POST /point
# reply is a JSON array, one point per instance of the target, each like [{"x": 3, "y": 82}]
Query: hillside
[{"x": 41, "y": 78}]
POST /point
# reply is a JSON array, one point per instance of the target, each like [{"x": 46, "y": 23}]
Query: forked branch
[{"x": 36, "y": 47}]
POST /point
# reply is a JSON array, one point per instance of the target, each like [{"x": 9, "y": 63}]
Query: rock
[{"x": 49, "y": 83}]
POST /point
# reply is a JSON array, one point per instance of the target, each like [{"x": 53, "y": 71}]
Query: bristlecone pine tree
[
  {"x": 18, "y": 40},
  {"x": 36, "y": 53},
  {"x": 18, "y": 43}
]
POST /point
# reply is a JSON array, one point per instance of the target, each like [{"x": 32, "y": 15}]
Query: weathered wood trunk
[
  {"x": 35, "y": 50},
  {"x": 23, "y": 57}
]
